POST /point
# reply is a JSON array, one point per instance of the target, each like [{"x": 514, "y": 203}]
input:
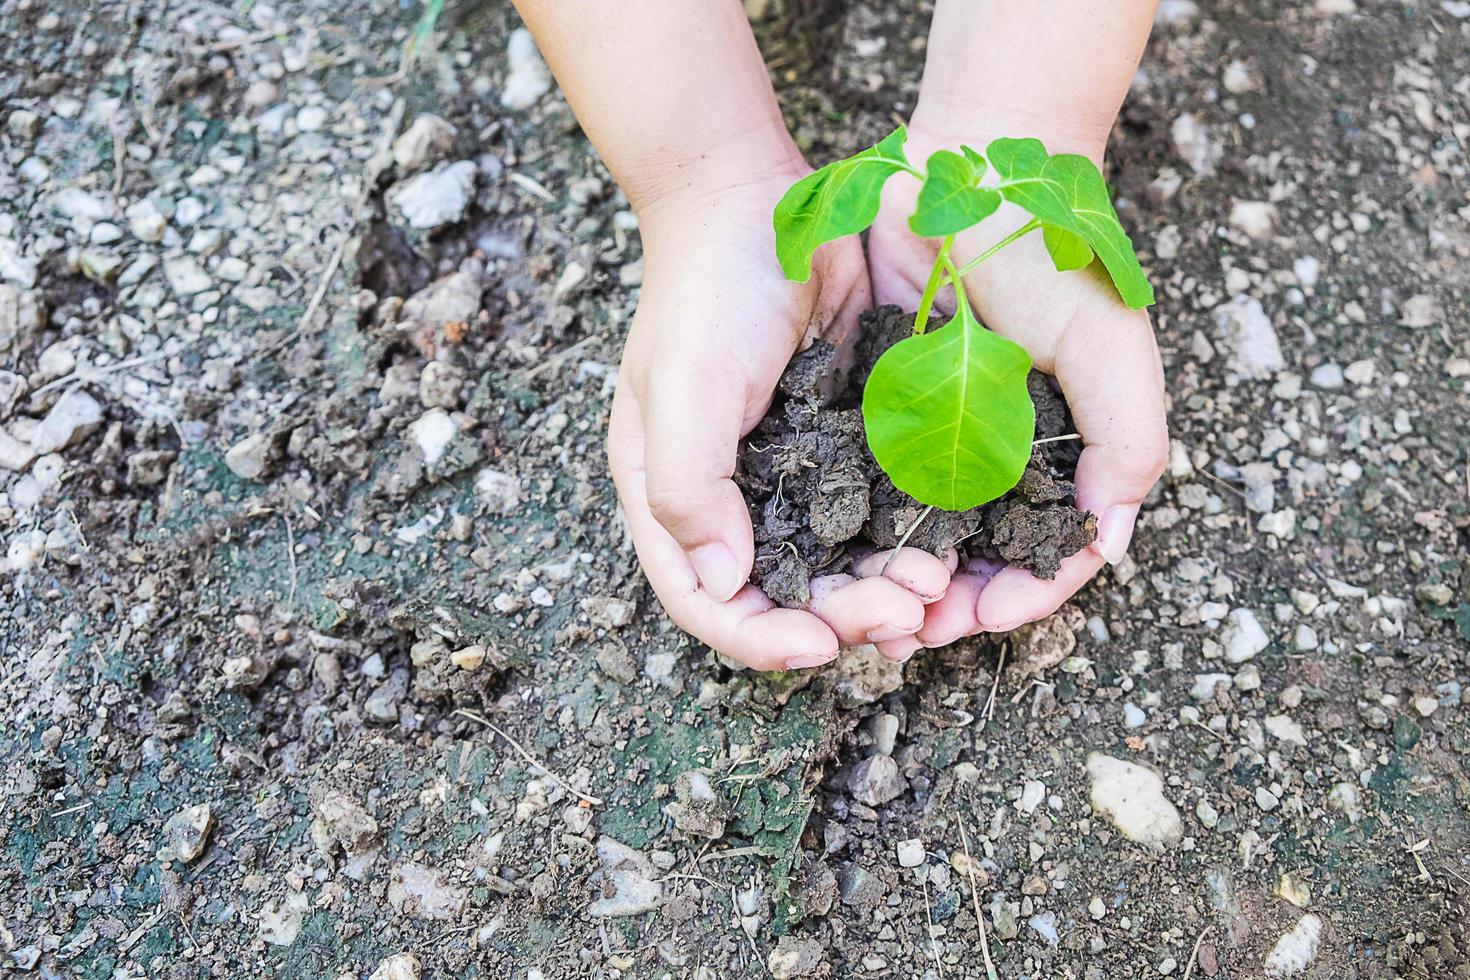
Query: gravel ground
[{"x": 325, "y": 652}]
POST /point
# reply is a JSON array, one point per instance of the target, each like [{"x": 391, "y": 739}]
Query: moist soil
[{"x": 819, "y": 501}]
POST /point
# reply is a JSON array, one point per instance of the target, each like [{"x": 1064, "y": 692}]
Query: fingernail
[
  {"x": 717, "y": 570},
  {"x": 941, "y": 643},
  {"x": 1005, "y": 627},
  {"x": 810, "y": 660},
  {"x": 926, "y": 599},
  {"x": 886, "y": 632},
  {"x": 1114, "y": 531}
]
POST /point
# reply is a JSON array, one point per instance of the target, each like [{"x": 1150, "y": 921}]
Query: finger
[
  {"x": 954, "y": 616},
  {"x": 691, "y": 422},
  {"x": 918, "y": 571},
  {"x": 1109, "y": 371},
  {"x": 747, "y": 628},
  {"x": 869, "y": 610},
  {"x": 1015, "y": 596},
  {"x": 901, "y": 649}
]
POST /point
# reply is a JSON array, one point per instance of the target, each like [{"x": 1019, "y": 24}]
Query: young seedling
[{"x": 946, "y": 412}]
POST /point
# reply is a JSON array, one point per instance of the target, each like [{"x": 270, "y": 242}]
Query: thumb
[
  {"x": 1114, "y": 383},
  {"x": 692, "y": 421}
]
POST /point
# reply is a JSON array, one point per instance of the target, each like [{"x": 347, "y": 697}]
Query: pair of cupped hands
[{"x": 717, "y": 323}]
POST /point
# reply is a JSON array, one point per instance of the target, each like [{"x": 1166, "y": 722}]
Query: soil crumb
[{"x": 819, "y": 501}]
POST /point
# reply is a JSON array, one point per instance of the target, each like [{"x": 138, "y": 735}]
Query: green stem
[
  {"x": 957, "y": 278},
  {"x": 1020, "y": 232},
  {"x": 931, "y": 288}
]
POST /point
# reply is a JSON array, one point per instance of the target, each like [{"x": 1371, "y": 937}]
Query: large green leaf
[
  {"x": 948, "y": 416},
  {"x": 1069, "y": 195},
  {"x": 950, "y": 200},
  {"x": 840, "y": 199}
]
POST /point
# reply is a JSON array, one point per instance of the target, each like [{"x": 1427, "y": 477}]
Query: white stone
[
  {"x": 248, "y": 458},
  {"x": 910, "y": 853},
  {"x": 1237, "y": 77},
  {"x": 146, "y": 222},
  {"x": 631, "y": 878},
  {"x": 1250, "y": 337},
  {"x": 186, "y": 277},
  {"x": 186, "y": 833},
  {"x": 1307, "y": 269},
  {"x": 311, "y": 118},
  {"x": 1278, "y": 524},
  {"x": 437, "y": 198},
  {"x": 1286, "y": 729},
  {"x": 422, "y": 143},
  {"x": 1295, "y": 950},
  {"x": 1133, "y": 716},
  {"x": 15, "y": 455},
  {"x": 1205, "y": 685},
  {"x": 1196, "y": 144},
  {"x": 1255, "y": 218},
  {"x": 432, "y": 432},
  {"x": 1305, "y": 638},
  {"x": 399, "y": 966},
  {"x": 75, "y": 416},
  {"x": 529, "y": 78},
  {"x": 1243, "y": 636},
  {"x": 15, "y": 268},
  {"x": 1032, "y": 793},
  {"x": 1327, "y": 376},
  {"x": 1360, "y": 372},
  {"x": 500, "y": 492},
  {"x": 1132, "y": 798}
]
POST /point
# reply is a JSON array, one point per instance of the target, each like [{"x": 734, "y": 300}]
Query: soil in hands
[{"x": 819, "y": 501}]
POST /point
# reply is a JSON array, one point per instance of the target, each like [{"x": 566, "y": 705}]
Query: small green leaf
[
  {"x": 950, "y": 201},
  {"x": 1067, "y": 192},
  {"x": 948, "y": 416},
  {"x": 1068, "y": 250},
  {"x": 840, "y": 199},
  {"x": 976, "y": 160}
]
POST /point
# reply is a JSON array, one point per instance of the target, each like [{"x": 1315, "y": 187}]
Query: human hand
[
  {"x": 1075, "y": 328},
  {"x": 716, "y": 324}
]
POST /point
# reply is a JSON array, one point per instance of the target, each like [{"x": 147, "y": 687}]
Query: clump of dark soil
[{"x": 819, "y": 501}]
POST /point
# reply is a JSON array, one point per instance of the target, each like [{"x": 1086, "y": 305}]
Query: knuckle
[{"x": 670, "y": 505}]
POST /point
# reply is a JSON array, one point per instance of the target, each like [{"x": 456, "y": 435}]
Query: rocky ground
[{"x": 325, "y": 654}]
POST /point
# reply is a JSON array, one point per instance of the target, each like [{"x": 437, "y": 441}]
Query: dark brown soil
[{"x": 819, "y": 501}]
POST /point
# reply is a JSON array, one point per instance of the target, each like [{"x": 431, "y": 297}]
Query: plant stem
[
  {"x": 1020, "y": 232},
  {"x": 956, "y": 279},
  {"x": 931, "y": 288}
]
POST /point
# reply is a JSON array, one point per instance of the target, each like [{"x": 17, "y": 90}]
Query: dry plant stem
[
  {"x": 1066, "y": 438},
  {"x": 476, "y": 717},
  {"x": 904, "y": 540},
  {"x": 990, "y": 973},
  {"x": 1194, "y": 954}
]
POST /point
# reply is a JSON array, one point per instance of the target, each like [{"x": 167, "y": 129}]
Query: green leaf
[
  {"x": 950, "y": 201},
  {"x": 1067, "y": 192},
  {"x": 1068, "y": 250},
  {"x": 840, "y": 199},
  {"x": 948, "y": 416}
]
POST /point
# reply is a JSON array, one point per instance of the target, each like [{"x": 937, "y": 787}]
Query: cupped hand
[
  {"x": 716, "y": 324},
  {"x": 1075, "y": 328}
]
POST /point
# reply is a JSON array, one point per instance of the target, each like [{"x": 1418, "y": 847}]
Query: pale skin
[{"x": 677, "y": 101}]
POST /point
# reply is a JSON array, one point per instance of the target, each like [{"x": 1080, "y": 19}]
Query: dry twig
[{"x": 475, "y": 716}]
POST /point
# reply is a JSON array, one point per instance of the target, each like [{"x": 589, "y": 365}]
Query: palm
[{"x": 1075, "y": 329}]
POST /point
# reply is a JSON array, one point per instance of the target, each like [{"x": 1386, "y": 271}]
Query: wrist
[
  {"x": 747, "y": 160},
  {"x": 944, "y": 119}
]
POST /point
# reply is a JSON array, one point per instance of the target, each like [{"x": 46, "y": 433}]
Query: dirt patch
[{"x": 819, "y": 500}]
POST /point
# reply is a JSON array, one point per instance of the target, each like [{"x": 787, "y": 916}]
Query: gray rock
[
  {"x": 529, "y": 78},
  {"x": 423, "y": 143},
  {"x": 21, "y": 313},
  {"x": 339, "y": 822},
  {"x": 399, "y": 966},
  {"x": 1243, "y": 637},
  {"x": 1132, "y": 798},
  {"x": 185, "y": 834},
  {"x": 440, "y": 384},
  {"x": 1327, "y": 376},
  {"x": 630, "y": 878},
  {"x": 250, "y": 457},
  {"x": 1249, "y": 336},
  {"x": 437, "y": 198},
  {"x": 421, "y": 892},
  {"x": 75, "y": 416},
  {"x": 794, "y": 957},
  {"x": 186, "y": 277},
  {"x": 875, "y": 780},
  {"x": 698, "y": 809},
  {"x": 15, "y": 268},
  {"x": 15, "y": 455}
]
